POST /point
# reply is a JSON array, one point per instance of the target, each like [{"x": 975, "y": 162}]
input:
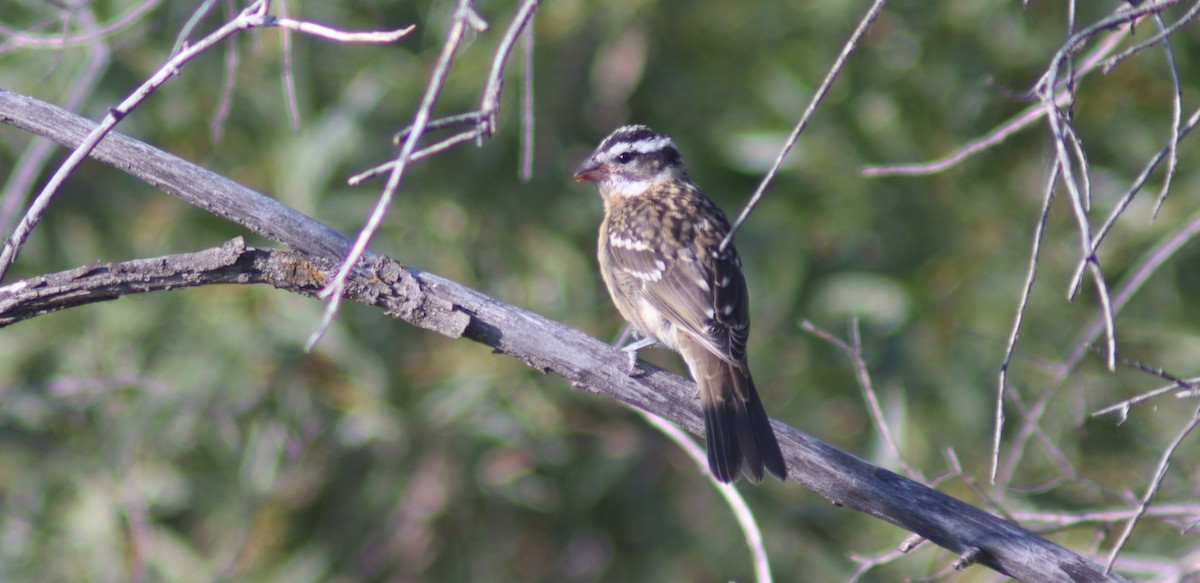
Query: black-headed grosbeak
[{"x": 660, "y": 257}]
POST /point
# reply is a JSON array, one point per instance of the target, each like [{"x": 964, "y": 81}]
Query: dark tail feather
[
  {"x": 737, "y": 431},
  {"x": 759, "y": 427},
  {"x": 724, "y": 453}
]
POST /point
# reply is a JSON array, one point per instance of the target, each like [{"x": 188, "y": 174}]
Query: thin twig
[
  {"x": 1004, "y": 131},
  {"x": 1049, "y": 444},
  {"x": 1147, "y": 265},
  {"x": 21, "y": 39},
  {"x": 1062, "y": 135},
  {"x": 228, "y": 83},
  {"x": 1176, "y": 119},
  {"x": 1030, "y": 277},
  {"x": 733, "y": 498},
  {"x": 1164, "y": 33},
  {"x": 864, "y": 25},
  {"x": 289, "y": 79},
  {"x": 343, "y": 36},
  {"x": 1152, "y": 490},
  {"x": 1178, "y": 385},
  {"x": 489, "y": 106},
  {"x": 866, "y": 564},
  {"x": 1080, "y": 159},
  {"x": 421, "y": 154},
  {"x": 477, "y": 120},
  {"x": 193, "y": 21},
  {"x": 957, "y": 470},
  {"x": 470, "y": 118},
  {"x": 854, "y": 352},
  {"x": 1122, "y": 407},
  {"x": 527, "y": 117},
  {"x": 1061, "y": 520},
  {"x": 485, "y": 120}
]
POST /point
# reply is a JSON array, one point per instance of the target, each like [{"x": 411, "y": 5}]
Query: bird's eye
[{"x": 624, "y": 157}]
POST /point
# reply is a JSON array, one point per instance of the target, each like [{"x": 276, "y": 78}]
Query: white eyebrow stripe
[
  {"x": 647, "y": 146},
  {"x": 641, "y": 146}
]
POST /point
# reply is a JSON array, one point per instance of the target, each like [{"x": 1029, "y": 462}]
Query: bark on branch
[{"x": 443, "y": 306}]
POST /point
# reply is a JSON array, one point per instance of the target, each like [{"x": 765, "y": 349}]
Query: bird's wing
[{"x": 701, "y": 294}]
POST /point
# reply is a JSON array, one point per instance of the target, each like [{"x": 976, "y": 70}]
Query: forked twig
[
  {"x": 464, "y": 17},
  {"x": 484, "y": 121},
  {"x": 1134, "y": 188}
]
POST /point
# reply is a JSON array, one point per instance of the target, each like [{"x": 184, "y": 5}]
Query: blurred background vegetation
[{"x": 187, "y": 436}]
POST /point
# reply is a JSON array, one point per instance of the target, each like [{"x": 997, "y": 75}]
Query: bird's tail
[{"x": 737, "y": 431}]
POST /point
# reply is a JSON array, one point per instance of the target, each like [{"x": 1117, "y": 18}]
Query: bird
[{"x": 661, "y": 259}]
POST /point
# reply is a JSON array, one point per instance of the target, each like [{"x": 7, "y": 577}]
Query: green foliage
[{"x": 187, "y": 436}]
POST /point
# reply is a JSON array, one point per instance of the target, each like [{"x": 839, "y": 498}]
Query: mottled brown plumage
[{"x": 660, "y": 257}]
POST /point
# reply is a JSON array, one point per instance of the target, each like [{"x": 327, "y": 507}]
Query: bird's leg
[
  {"x": 632, "y": 348},
  {"x": 626, "y": 332}
]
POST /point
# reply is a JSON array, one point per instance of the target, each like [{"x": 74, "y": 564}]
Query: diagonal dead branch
[{"x": 588, "y": 364}]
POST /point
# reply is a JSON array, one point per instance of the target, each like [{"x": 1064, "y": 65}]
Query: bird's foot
[{"x": 631, "y": 351}]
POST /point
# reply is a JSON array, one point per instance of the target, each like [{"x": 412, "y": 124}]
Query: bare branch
[
  {"x": 490, "y": 105},
  {"x": 19, "y": 39},
  {"x": 228, "y": 83},
  {"x": 342, "y": 36}
]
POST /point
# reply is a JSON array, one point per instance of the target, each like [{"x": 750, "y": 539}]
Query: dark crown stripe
[{"x": 631, "y": 135}]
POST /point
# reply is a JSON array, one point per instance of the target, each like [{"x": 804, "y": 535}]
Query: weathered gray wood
[{"x": 437, "y": 304}]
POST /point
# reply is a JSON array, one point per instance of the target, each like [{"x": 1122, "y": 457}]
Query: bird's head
[{"x": 632, "y": 160}]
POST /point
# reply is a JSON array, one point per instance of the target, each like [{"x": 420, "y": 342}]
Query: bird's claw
[
  {"x": 631, "y": 351},
  {"x": 633, "y": 370}
]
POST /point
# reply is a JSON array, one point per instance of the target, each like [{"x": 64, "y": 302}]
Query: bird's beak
[{"x": 591, "y": 171}]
